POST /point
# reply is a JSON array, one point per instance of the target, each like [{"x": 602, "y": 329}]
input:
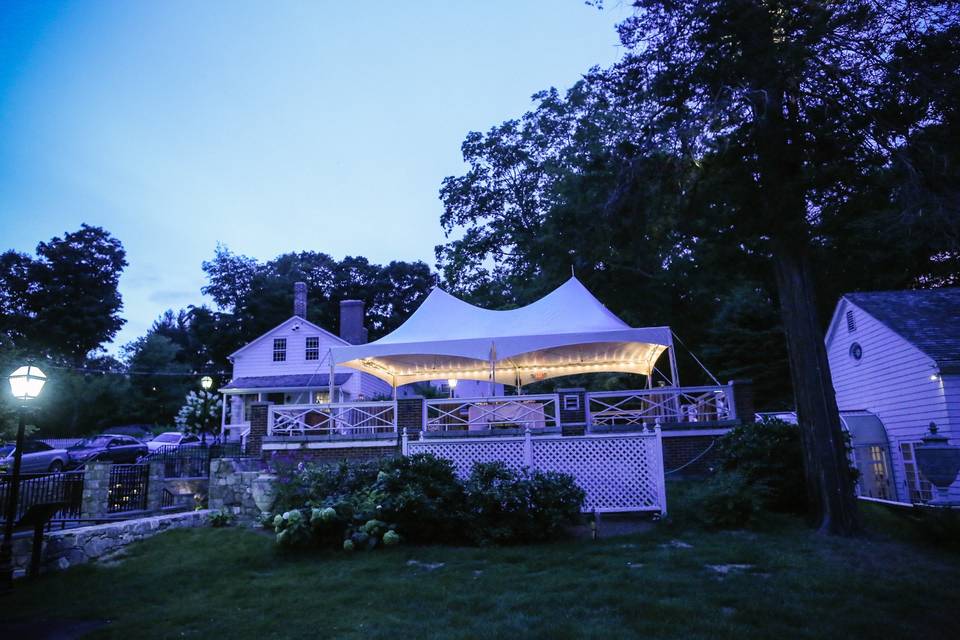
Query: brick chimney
[
  {"x": 351, "y": 322},
  {"x": 300, "y": 299}
]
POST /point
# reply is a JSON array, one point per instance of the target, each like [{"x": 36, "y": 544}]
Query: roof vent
[{"x": 851, "y": 322}]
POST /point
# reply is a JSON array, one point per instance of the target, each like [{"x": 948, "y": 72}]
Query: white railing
[
  {"x": 342, "y": 419},
  {"x": 235, "y": 430},
  {"x": 663, "y": 404},
  {"x": 481, "y": 415}
]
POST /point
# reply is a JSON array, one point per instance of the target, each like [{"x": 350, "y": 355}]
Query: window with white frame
[
  {"x": 279, "y": 349},
  {"x": 571, "y": 403},
  {"x": 313, "y": 349},
  {"x": 918, "y": 489}
]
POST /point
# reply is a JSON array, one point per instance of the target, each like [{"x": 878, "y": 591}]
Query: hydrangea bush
[
  {"x": 200, "y": 413},
  {"x": 419, "y": 499}
]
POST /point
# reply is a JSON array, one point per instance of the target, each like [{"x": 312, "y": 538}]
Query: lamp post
[
  {"x": 26, "y": 384},
  {"x": 452, "y": 383},
  {"x": 205, "y": 383}
]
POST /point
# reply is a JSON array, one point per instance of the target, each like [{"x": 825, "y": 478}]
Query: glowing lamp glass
[
  {"x": 206, "y": 382},
  {"x": 27, "y": 382},
  {"x": 452, "y": 382}
]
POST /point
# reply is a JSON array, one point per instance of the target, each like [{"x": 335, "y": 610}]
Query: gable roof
[
  {"x": 279, "y": 326},
  {"x": 927, "y": 318}
]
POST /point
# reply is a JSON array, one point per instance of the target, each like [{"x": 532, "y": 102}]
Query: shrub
[
  {"x": 359, "y": 506},
  {"x": 292, "y": 529},
  {"x": 220, "y": 519},
  {"x": 509, "y": 507},
  {"x": 422, "y": 495},
  {"x": 767, "y": 454},
  {"x": 312, "y": 484},
  {"x": 727, "y": 500}
]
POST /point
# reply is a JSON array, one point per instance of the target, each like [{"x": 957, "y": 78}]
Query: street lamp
[
  {"x": 452, "y": 383},
  {"x": 205, "y": 383},
  {"x": 26, "y": 383}
]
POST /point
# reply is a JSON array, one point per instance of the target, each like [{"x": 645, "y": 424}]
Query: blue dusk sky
[{"x": 268, "y": 126}]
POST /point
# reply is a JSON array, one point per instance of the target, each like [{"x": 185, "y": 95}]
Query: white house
[
  {"x": 290, "y": 364},
  {"x": 895, "y": 361}
]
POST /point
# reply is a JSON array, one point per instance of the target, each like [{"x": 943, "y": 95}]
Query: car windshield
[
  {"x": 95, "y": 442},
  {"x": 6, "y": 450},
  {"x": 167, "y": 437}
]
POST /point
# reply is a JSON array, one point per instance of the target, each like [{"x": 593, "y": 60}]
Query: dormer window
[
  {"x": 279, "y": 349},
  {"x": 313, "y": 349}
]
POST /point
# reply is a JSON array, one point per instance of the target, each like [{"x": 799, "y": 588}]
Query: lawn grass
[{"x": 231, "y": 583}]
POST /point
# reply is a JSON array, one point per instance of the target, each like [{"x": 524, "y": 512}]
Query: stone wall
[
  {"x": 64, "y": 549},
  {"x": 232, "y": 490}
]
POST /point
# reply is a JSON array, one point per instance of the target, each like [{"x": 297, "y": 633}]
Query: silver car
[{"x": 38, "y": 457}]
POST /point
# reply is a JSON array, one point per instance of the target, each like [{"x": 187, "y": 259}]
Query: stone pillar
[
  {"x": 96, "y": 490},
  {"x": 410, "y": 415},
  {"x": 258, "y": 427},
  {"x": 155, "y": 486},
  {"x": 743, "y": 400},
  {"x": 220, "y": 468}
]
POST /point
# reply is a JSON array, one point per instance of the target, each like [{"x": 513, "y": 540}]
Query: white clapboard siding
[
  {"x": 256, "y": 358},
  {"x": 891, "y": 380}
]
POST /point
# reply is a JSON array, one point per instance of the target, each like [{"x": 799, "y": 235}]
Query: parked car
[
  {"x": 170, "y": 440},
  {"x": 38, "y": 457},
  {"x": 108, "y": 447}
]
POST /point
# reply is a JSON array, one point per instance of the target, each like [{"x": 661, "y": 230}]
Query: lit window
[
  {"x": 279, "y": 349},
  {"x": 313, "y": 348}
]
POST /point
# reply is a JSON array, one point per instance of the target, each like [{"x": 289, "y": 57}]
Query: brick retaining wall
[{"x": 680, "y": 450}]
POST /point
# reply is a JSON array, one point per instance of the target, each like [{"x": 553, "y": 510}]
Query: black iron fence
[
  {"x": 193, "y": 461},
  {"x": 128, "y": 487},
  {"x": 63, "y": 488}
]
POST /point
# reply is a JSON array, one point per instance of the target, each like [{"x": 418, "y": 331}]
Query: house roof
[
  {"x": 299, "y": 381},
  {"x": 927, "y": 318},
  {"x": 303, "y": 321}
]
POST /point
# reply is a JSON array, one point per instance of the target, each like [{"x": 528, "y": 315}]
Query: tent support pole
[
  {"x": 330, "y": 382},
  {"x": 394, "y": 385},
  {"x": 674, "y": 378}
]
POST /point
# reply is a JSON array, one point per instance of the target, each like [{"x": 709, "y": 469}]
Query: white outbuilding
[{"x": 895, "y": 361}]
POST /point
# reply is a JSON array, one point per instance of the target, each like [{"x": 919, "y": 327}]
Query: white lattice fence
[
  {"x": 464, "y": 453},
  {"x": 622, "y": 472}
]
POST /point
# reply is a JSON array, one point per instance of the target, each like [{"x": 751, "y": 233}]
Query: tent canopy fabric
[{"x": 566, "y": 332}]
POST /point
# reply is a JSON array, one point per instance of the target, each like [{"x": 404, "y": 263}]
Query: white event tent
[{"x": 566, "y": 332}]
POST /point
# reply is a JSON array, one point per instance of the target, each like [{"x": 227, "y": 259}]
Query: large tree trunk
[{"x": 833, "y": 506}]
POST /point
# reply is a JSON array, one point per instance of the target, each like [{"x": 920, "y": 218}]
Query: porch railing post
[
  {"x": 586, "y": 412},
  {"x": 556, "y": 410},
  {"x": 660, "y": 474},
  {"x": 528, "y": 448},
  {"x": 404, "y": 442},
  {"x": 731, "y": 400}
]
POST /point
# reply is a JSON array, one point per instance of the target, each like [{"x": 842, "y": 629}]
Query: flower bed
[{"x": 419, "y": 499}]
